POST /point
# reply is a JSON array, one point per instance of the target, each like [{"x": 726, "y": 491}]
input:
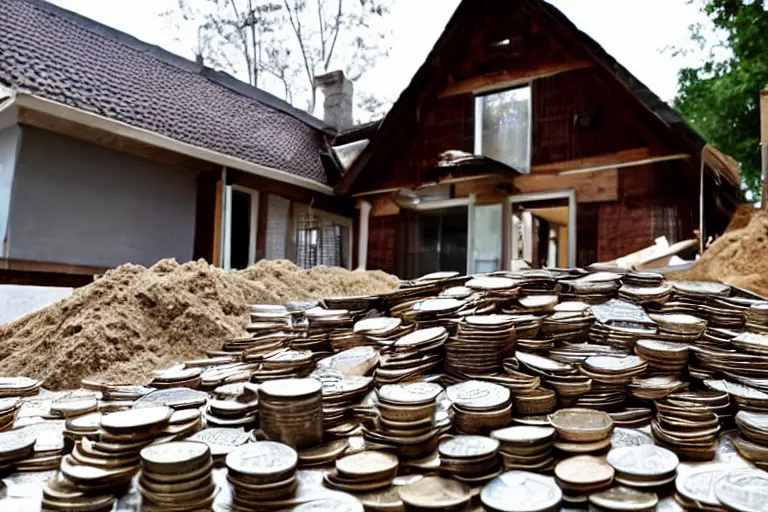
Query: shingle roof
[{"x": 61, "y": 56}]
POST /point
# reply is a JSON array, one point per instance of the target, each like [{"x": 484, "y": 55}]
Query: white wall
[{"x": 10, "y": 139}]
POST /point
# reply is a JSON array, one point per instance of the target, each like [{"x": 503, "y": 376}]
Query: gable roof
[
  {"x": 430, "y": 78},
  {"x": 61, "y": 56}
]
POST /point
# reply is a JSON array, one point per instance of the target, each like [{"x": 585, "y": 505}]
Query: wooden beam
[
  {"x": 485, "y": 83},
  {"x": 619, "y": 157},
  {"x": 49, "y": 267},
  {"x": 590, "y": 187}
]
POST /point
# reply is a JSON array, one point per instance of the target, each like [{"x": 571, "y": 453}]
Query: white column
[{"x": 362, "y": 239}]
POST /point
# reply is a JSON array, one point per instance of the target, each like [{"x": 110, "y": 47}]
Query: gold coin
[{"x": 435, "y": 493}]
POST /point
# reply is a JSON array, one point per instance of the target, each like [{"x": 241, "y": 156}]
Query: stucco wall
[{"x": 81, "y": 204}]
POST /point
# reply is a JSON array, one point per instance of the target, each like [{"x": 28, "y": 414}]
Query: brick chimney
[{"x": 338, "y": 92}]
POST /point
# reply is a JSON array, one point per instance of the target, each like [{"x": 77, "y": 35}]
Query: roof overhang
[{"x": 23, "y": 100}]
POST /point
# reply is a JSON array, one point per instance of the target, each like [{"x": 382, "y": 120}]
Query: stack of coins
[
  {"x": 9, "y": 407},
  {"x": 582, "y": 430},
  {"x": 221, "y": 441},
  {"x": 679, "y": 327},
  {"x": 413, "y": 356},
  {"x": 291, "y": 411},
  {"x": 261, "y": 472},
  {"x": 656, "y": 387},
  {"x": 407, "y": 418},
  {"x": 321, "y": 323},
  {"x": 15, "y": 446},
  {"x": 241, "y": 412},
  {"x": 369, "y": 332},
  {"x": 285, "y": 364},
  {"x": 515, "y": 491},
  {"x": 480, "y": 407},
  {"x": 566, "y": 326},
  {"x": 563, "y": 377},
  {"x": 526, "y": 448},
  {"x": 644, "y": 466},
  {"x": 691, "y": 432},
  {"x": 50, "y": 446},
  {"x": 757, "y": 318},
  {"x": 499, "y": 290},
  {"x": 62, "y": 493},
  {"x": 536, "y": 402},
  {"x": 663, "y": 356},
  {"x": 470, "y": 459},
  {"x": 623, "y": 498},
  {"x": 752, "y": 442},
  {"x": 363, "y": 471},
  {"x": 480, "y": 345},
  {"x": 341, "y": 393},
  {"x": 353, "y": 362},
  {"x": 746, "y": 397},
  {"x": 645, "y": 294},
  {"x": 435, "y": 493},
  {"x": 595, "y": 288},
  {"x": 19, "y": 386},
  {"x": 610, "y": 377},
  {"x": 176, "y": 475},
  {"x": 581, "y": 475},
  {"x": 177, "y": 376},
  {"x": 643, "y": 278}
]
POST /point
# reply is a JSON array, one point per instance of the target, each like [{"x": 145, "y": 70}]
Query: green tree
[{"x": 720, "y": 98}]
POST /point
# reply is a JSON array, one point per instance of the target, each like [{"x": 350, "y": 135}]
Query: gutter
[{"x": 75, "y": 115}]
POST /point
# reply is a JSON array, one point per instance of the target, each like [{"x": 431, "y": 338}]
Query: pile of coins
[
  {"x": 412, "y": 356},
  {"x": 582, "y": 430},
  {"x": 260, "y": 473},
  {"x": 690, "y": 431},
  {"x": 291, "y": 411},
  {"x": 176, "y": 475},
  {"x": 526, "y": 448},
  {"x": 480, "y": 345},
  {"x": 235, "y": 409},
  {"x": 752, "y": 442}
]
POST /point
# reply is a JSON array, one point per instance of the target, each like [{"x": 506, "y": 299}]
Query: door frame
[
  {"x": 569, "y": 194},
  {"x": 227, "y": 246}
]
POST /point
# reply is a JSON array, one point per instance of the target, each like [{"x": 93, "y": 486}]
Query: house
[
  {"x": 604, "y": 167},
  {"x": 114, "y": 151},
  {"x": 519, "y": 137}
]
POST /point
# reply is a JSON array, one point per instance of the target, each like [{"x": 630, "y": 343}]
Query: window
[
  {"x": 488, "y": 237},
  {"x": 503, "y": 127},
  {"x": 322, "y": 238}
]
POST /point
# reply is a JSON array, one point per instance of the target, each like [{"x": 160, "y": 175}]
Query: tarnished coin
[
  {"x": 524, "y": 435},
  {"x": 264, "y": 458},
  {"x": 624, "y": 499},
  {"x": 581, "y": 425},
  {"x": 324, "y": 453},
  {"x": 221, "y": 441},
  {"x": 367, "y": 465},
  {"x": 698, "y": 484},
  {"x": 521, "y": 491},
  {"x": 290, "y": 389},
  {"x": 175, "y": 457},
  {"x": 48, "y": 435},
  {"x": 435, "y": 493},
  {"x": 475, "y": 394},
  {"x": 176, "y": 398},
  {"x": 354, "y": 361},
  {"x": 134, "y": 420},
  {"x": 410, "y": 394},
  {"x": 465, "y": 446},
  {"x": 743, "y": 490},
  {"x": 14, "y": 441},
  {"x": 422, "y": 336},
  {"x": 622, "y": 437},
  {"x": 646, "y": 460},
  {"x": 542, "y": 363},
  {"x": 584, "y": 470}
]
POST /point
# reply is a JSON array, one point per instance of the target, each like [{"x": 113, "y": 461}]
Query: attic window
[{"x": 503, "y": 127}]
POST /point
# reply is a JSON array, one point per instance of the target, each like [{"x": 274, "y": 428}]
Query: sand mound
[
  {"x": 739, "y": 256},
  {"x": 133, "y": 319}
]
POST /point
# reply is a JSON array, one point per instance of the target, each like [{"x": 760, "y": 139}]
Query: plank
[
  {"x": 591, "y": 187},
  {"x": 619, "y": 157}
]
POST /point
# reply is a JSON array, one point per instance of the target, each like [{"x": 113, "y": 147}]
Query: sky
[{"x": 635, "y": 32}]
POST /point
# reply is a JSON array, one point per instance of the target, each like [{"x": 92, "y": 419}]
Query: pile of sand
[
  {"x": 739, "y": 257},
  {"x": 134, "y": 320}
]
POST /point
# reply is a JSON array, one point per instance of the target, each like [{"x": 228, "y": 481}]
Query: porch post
[{"x": 362, "y": 239}]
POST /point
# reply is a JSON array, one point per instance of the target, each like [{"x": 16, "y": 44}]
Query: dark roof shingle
[{"x": 61, "y": 56}]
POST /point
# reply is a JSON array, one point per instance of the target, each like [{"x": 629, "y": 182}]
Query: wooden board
[
  {"x": 590, "y": 187},
  {"x": 619, "y": 157}
]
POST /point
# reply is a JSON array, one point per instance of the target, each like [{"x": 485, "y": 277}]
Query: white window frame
[
  {"x": 227, "y": 245},
  {"x": 300, "y": 209},
  {"x": 479, "y": 103}
]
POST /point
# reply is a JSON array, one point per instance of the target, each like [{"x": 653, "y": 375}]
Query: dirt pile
[
  {"x": 739, "y": 257},
  {"x": 134, "y": 320}
]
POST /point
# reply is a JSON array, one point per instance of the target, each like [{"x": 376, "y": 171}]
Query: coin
[
  {"x": 521, "y": 491},
  {"x": 410, "y": 394},
  {"x": 743, "y": 490},
  {"x": 523, "y": 435},
  {"x": 221, "y": 441},
  {"x": 175, "y": 457},
  {"x": 624, "y": 499},
  {"x": 698, "y": 484},
  {"x": 622, "y": 437},
  {"x": 263, "y": 459},
  {"x": 646, "y": 460},
  {"x": 475, "y": 394},
  {"x": 176, "y": 398},
  {"x": 136, "y": 419},
  {"x": 581, "y": 425},
  {"x": 367, "y": 465},
  {"x": 466, "y": 446},
  {"x": 330, "y": 505},
  {"x": 435, "y": 493},
  {"x": 584, "y": 470},
  {"x": 290, "y": 389}
]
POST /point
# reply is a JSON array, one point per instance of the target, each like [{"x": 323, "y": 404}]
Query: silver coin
[
  {"x": 331, "y": 505},
  {"x": 262, "y": 458},
  {"x": 477, "y": 394},
  {"x": 289, "y": 389},
  {"x": 221, "y": 441},
  {"x": 743, "y": 490},
  {"x": 699, "y": 484},
  {"x": 623, "y": 437},
  {"x": 421, "y": 337},
  {"x": 16, "y": 440},
  {"x": 416, "y": 393},
  {"x": 467, "y": 446},
  {"x": 644, "y": 460},
  {"x": 614, "y": 364},
  {"x": 625, "y": 499},
  {"x": 524, "y": 434},
  {"x": 521, "y": 491},
  {"x": 171, "y": 397}
]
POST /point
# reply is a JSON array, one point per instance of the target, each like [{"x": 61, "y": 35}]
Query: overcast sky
[{"x": 634, "y": 31}]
